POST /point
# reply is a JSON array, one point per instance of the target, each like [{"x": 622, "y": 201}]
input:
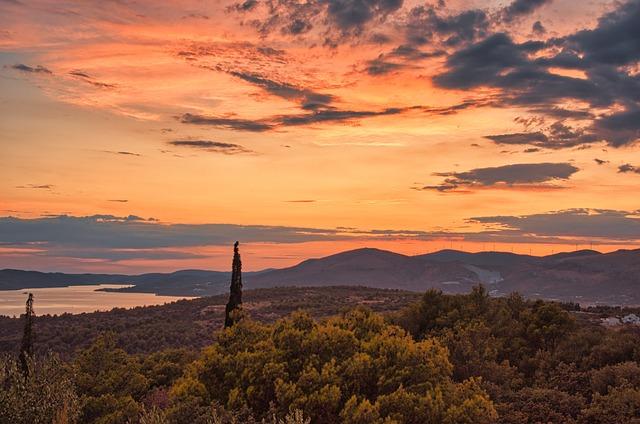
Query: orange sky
[{"x": 199, "y": 113}]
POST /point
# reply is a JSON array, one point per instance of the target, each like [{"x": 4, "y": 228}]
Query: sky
[{"x": 141, "y": 136}]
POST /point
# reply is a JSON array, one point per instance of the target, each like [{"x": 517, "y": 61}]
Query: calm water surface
[{"x": 77, "y": 299}]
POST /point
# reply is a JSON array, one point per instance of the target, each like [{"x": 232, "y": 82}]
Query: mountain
[
  {"x": 185, "y": 282},
  {"x": 494, "y": 260},
  {"x": 371, "y": 268},
  {"x": 584, "y": 276}
]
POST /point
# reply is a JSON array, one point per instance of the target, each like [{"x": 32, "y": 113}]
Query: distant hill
[
  {"x": 482, "y": 259},
  {"x": 185, "y": 282},
  {"x": 584, "y": 276},
  {"x": 372, "y": 268}
]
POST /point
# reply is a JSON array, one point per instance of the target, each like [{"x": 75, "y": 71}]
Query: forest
[{"x": 441, "y": 359}]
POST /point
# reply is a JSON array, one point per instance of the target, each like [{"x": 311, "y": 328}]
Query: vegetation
[
  {"x": 232, "y": 310},
  {"x": 442, "y": 359},
  {"x": 189, "y": 324}
]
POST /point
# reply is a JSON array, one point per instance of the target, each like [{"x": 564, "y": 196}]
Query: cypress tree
[
  {"x": 235, "y": 290},
  {"x": 26, "y": 349}
]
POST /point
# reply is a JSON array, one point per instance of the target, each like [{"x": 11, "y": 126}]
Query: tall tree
[
  {"x": 235, "y": 290},
  {"x": 26, "y": 349}
]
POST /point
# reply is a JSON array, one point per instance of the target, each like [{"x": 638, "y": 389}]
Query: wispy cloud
[{"x": 211, "y": 146}]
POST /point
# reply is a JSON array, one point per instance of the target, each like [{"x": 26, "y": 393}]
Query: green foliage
[
  {"x": 44, "y": 396},
  {"x": 110, "y": 383},
  {"x": 449, "y": 359},
  {"x": 353, "y": 368}
]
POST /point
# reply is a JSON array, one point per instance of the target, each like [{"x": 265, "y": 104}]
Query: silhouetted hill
[
  {"x": 568, "y": 255},
  {"x": 185, "y": 282},
  {"x": 481, "y": 259},
  {"x": 15, "y": 279},
  {"x": 371, "y": 268},
  {"x": 584, "y": 276}
]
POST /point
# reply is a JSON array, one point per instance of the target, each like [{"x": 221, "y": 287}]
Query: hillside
[
  {"x": 584, "y": 276},
  {"x": 190, "y": 323},
  {"x": 371, "y": 268}
]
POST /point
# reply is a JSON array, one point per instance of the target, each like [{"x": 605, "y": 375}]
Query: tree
[
  {"x": 26, "y": 349},
  {"x": 110, "y": 383},
  {"x": 235, "y": 290},
  {"x": 45, "y": 396}
]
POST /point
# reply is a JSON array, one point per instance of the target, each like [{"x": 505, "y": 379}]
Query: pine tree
[
  {"x": 235, "y": 290},
  {"x": 26, "y": 349}
]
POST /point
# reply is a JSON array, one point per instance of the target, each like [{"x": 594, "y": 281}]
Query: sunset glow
[{"x": 142, "y": 136}]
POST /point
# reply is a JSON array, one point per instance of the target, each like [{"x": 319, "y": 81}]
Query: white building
[{"x": 631, "y": 319}]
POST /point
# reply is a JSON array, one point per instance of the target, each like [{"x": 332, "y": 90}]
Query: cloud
[
  {"x": 133, "y": 232},
  {"x": 525, "y": 75},
  {"x": 628, "y": 168},
  {"x": 226, "y": 122},
  {"x": 307, "y": 98},
  {"x": 538, "y": 29},
  {"x": 88, "y": 79},
  {"x": 519, "y": 138},
  {"x": 520, "y": 8},
  {"x": 301, "y": 201},
  {"x": 122, "y": 152},
  {"x": 212, "y": 146},
  {"x": 112, "y": 238},
  {"x": 301, "y": 119},
  {"x": 339, "y": 19},
  {"x": 523, "y": 175},
  {"x": 559, "y": 136},
  {"x": 614, "y": 40},
  {"x": 38, "y": 186},
  {"x": 379, "y": 66},
  {"x": 30, "y": 69},
  {"x": 425, "y": 25},
  {"x": 582, "y": 223}
]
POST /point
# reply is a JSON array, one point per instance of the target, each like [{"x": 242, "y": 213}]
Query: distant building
[
  {"x": 631, "y": 319},
  {"x": 610, "y": 321}
]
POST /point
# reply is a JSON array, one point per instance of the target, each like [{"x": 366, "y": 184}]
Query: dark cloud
[
  {"x": 30, "y": 69},
  {"x": 538, "y": 28},
  {"x": 212, "y": 146},
  {"x": 583, "y": 223},
  {"x": 628, "y": 168},
  {"x": 514, "y": 176},
  {"x": 519, "y": 138},
  {"x": 38, "y": 186},
  {"x": 524, "y": 73},
  {"x": 520, "y": 8},
  {"x": 90, "y": 80},
  {"x": 301, "y": 201},
  {"x": 615, "y": 39},
  {"x": 112, "y": 238},
  {"x": 118, "y": 200},
  {"x": 559, "y": 136},
  {"x": 112, "y": 232},
  {"x": 310, "y": 118},
  {"x": 620, "y": 128},
  {"x": 336, "y": 115},
  {"x": 308, "y": 99},
  {"x": 122, "y": 152},
  {"x": 381, "y": 67},
  {"x": 340, "y": 19},
  {"x": 425, "y": 25},
  {"x": 226, "y": 122}
]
